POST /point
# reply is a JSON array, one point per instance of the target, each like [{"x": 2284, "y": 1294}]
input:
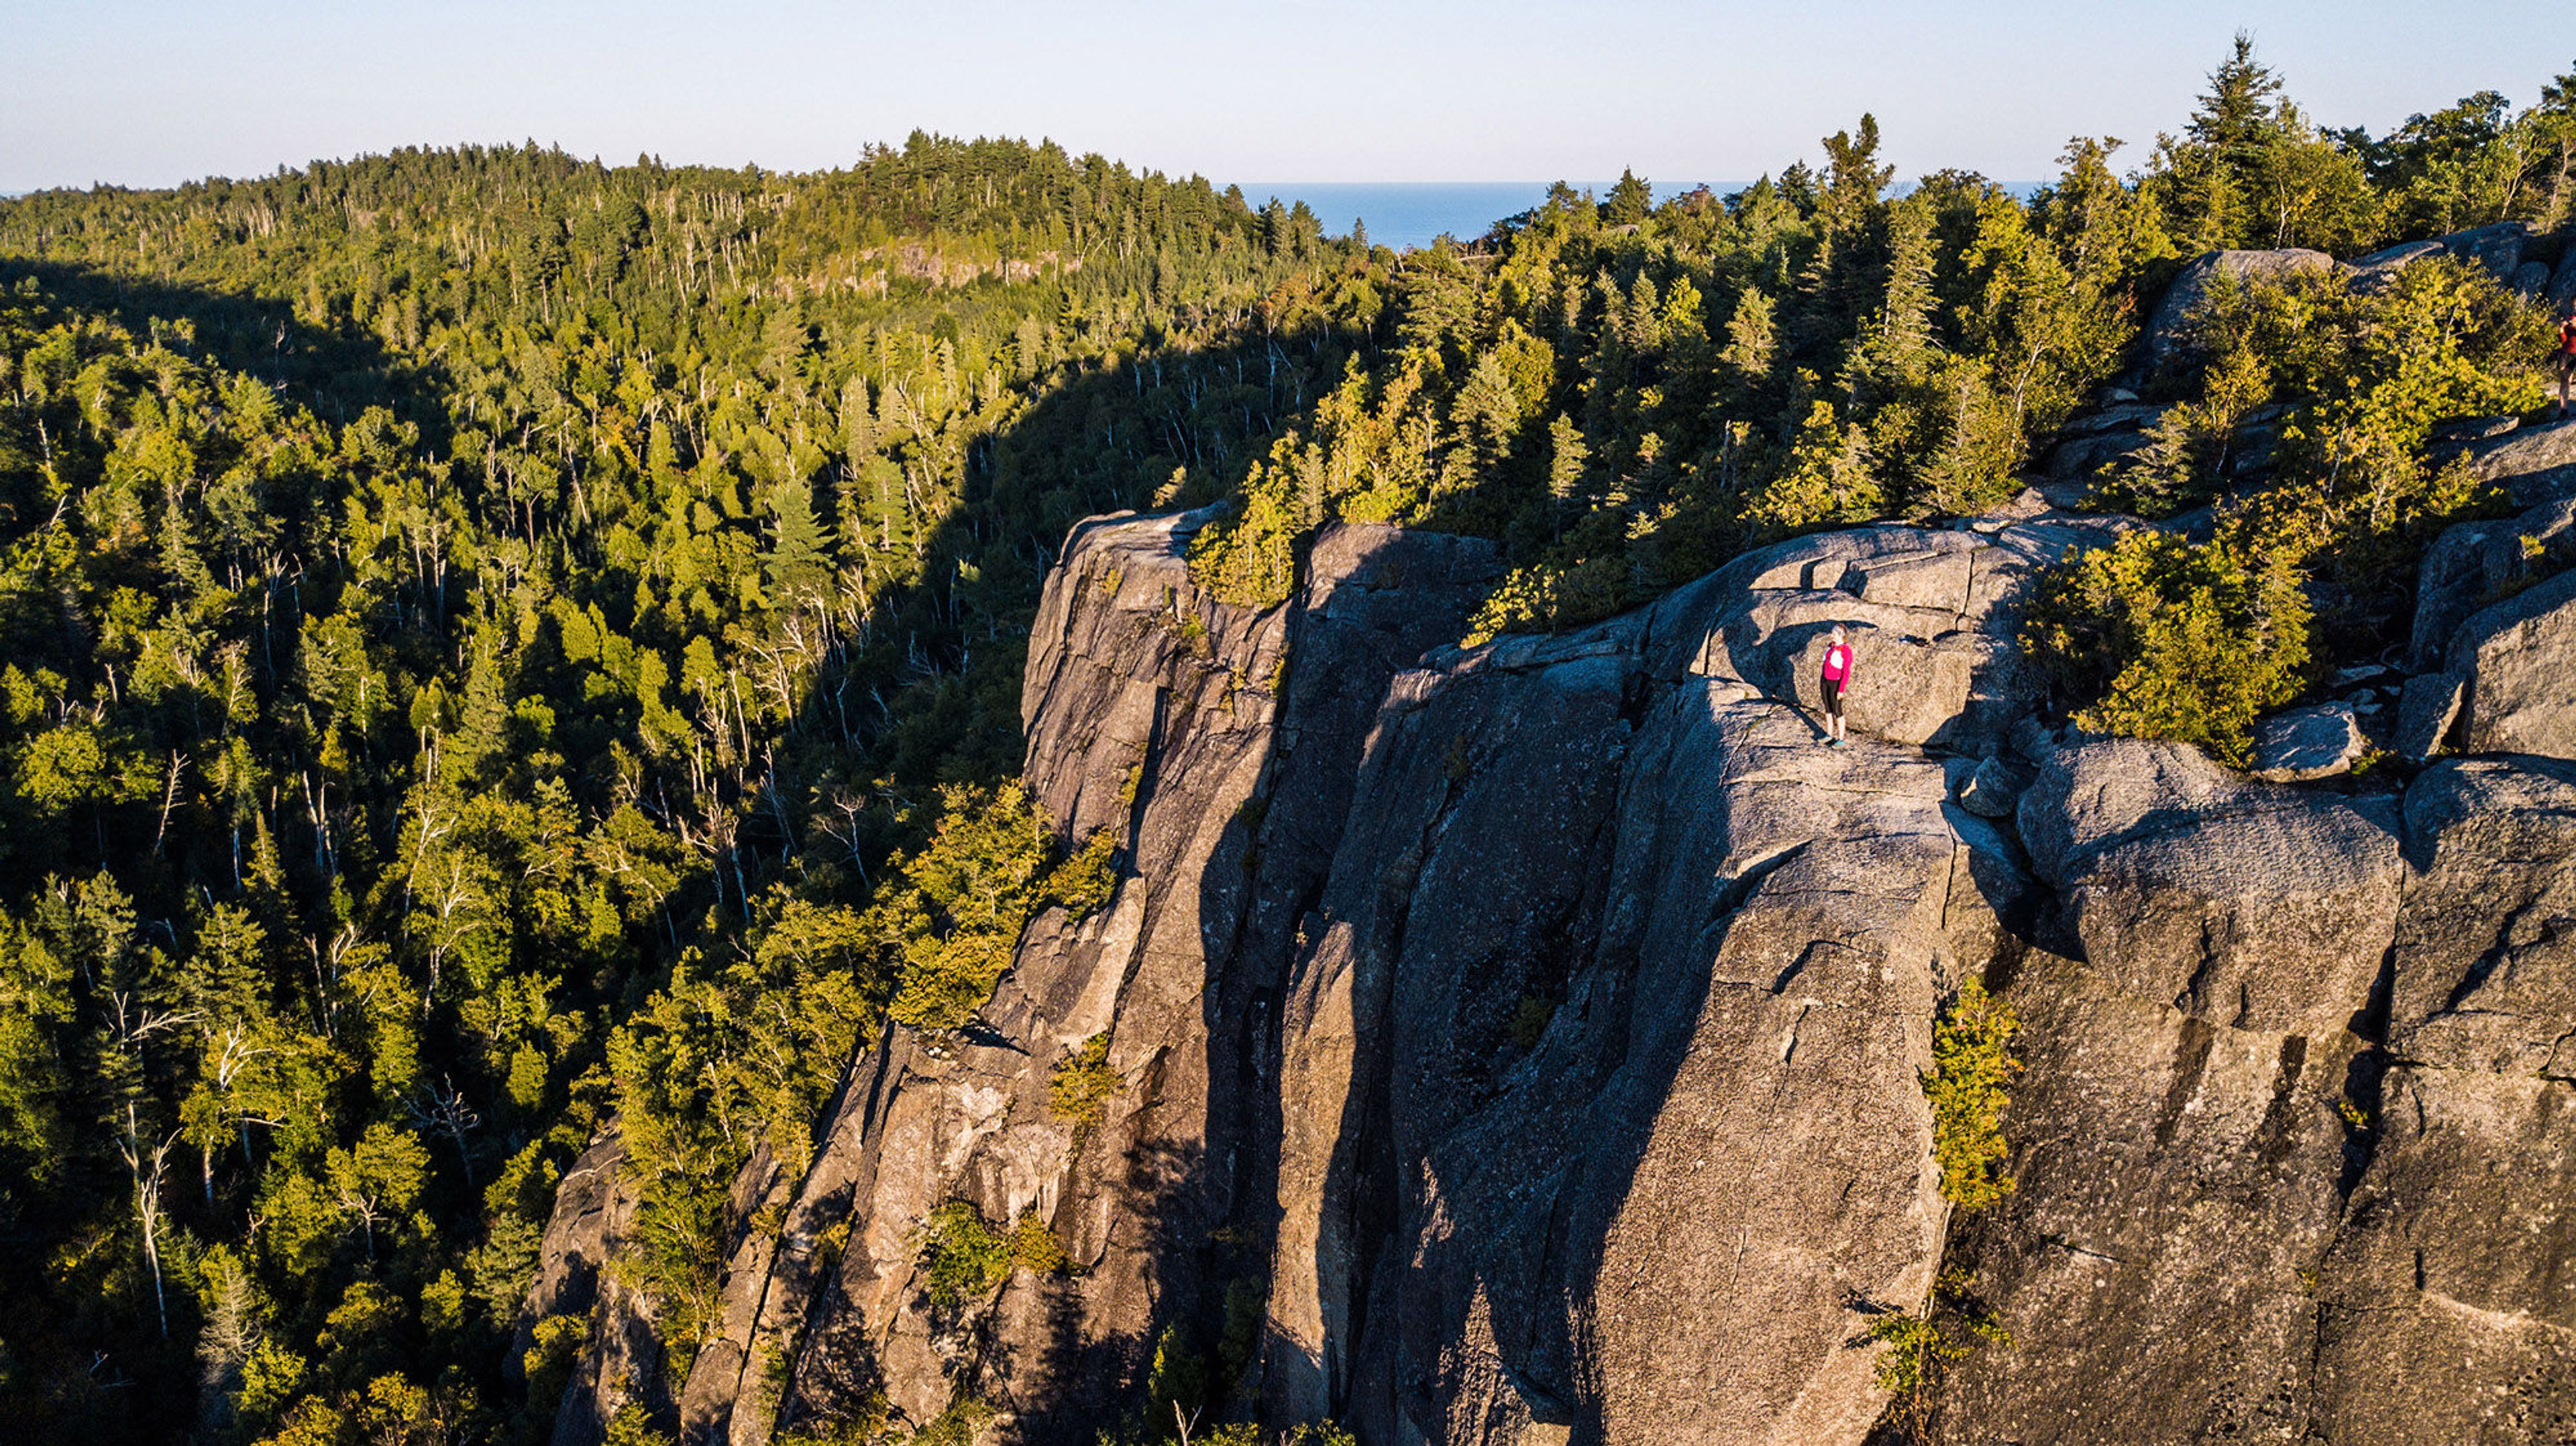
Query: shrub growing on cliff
[
  {"x": 1034, "y": 1247},
  {"x": 1972, "y": 1070},
  {"x": 960, "y": 1425},
  {"x": 961, "y": 1256},
  {"x": 1083, "y": 1083},
  {"x": 954, "y": 911},
  {"x": 1084, "y": 882},
  {"x": 2176, "y": 639},
  {"x": 1952, "y": 1322}
]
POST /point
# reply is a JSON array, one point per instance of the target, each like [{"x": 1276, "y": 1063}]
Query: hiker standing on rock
[
  {"x": 1838, "y": 661},
  {"x": 2566, "y": 357}
]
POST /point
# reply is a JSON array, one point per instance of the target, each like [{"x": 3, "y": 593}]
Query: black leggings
[{"x": 1833, "y": 697}]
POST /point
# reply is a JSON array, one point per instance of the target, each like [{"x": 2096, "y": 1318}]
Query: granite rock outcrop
[{"x": 1524, "y": 1043}]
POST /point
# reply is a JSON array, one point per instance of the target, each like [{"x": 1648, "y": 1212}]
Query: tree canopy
[{"x": 492, "y": 642}]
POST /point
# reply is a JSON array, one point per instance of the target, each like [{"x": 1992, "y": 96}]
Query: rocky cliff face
[
  {"x": 1521, "y": 1044},
  {"x": 1600, "y": 1068}
]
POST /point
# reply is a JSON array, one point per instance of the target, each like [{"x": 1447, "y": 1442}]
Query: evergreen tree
[{"x": 1629, "y": 200}]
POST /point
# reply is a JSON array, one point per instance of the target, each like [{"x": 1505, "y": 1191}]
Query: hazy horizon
[
  {"x": 153, "y": 93},
  {"x": 1405, "y": 214}
]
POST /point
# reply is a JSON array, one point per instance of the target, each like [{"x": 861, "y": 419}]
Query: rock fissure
[{"x": 2071, "y": 1248}]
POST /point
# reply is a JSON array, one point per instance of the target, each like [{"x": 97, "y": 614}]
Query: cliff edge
[{"x": 1524, "y": 1044}]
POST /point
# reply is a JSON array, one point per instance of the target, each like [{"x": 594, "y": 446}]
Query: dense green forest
[
  {"x": 483, "y": 631},
  {"x": 493, "y": 641},
  {"x": 1628, "y": 395}
]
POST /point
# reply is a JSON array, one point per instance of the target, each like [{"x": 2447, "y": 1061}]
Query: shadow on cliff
[
  {"x": 1098, "y": 442},
  {"x": 929, "y": 697},
  {"x": 1124, "y": 1381},
  {"x": 1445, "y": 1062},
  {"x": 1217, "y": 1213}
]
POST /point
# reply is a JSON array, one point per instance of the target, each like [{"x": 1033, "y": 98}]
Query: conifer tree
[{"x": 1629, "y": 200}]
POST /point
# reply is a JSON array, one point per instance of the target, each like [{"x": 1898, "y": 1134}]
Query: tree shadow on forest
[
  {"x": 1097, "y": 439},
  {"x": 1021, "y": 500},
  {"x": 337, "y": 372},
  {"x": 167, "y": 862},
  {"x": 335, "y": 368}
]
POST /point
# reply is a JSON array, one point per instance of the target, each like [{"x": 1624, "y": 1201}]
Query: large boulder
[
  {"x": 2427, "y": 707},
  {"x": 2167, "y": 323},
  {"x": 2532, "y": 464},
  {"x": 2083, "y": 456},
  {"x": 2244, "y": 904},
  {"x": 2497, "y": 247},
  {"x": 2309, "y": 743},
  {"x": 2484, "y": 974},
  {"x": 2472, "y": 564},
  {"x": 2095, "y": 791},
  {"x": 2379, "y": 268},
  {"x": 1992, "y": 788},
  {"x": 2519, "y": 657}
]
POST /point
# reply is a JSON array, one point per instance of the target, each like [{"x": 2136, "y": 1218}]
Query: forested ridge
[
  {"x": 495, "y": 642},
  {"x": 477, "y": 624}
]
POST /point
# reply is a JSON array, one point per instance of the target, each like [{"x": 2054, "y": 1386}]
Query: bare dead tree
[{"x": 441, "y": 1109}]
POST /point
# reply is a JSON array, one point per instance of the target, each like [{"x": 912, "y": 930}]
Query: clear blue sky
[{"x": 149, "y": 92}]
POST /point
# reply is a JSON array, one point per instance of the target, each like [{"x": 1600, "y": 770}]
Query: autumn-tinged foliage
[
  {"x": 1969, "y": 1085},
  {"x": 1079, "y": 1089}
]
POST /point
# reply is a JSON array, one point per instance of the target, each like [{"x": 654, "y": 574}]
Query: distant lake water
[{"x": 1415, "y": 213}]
